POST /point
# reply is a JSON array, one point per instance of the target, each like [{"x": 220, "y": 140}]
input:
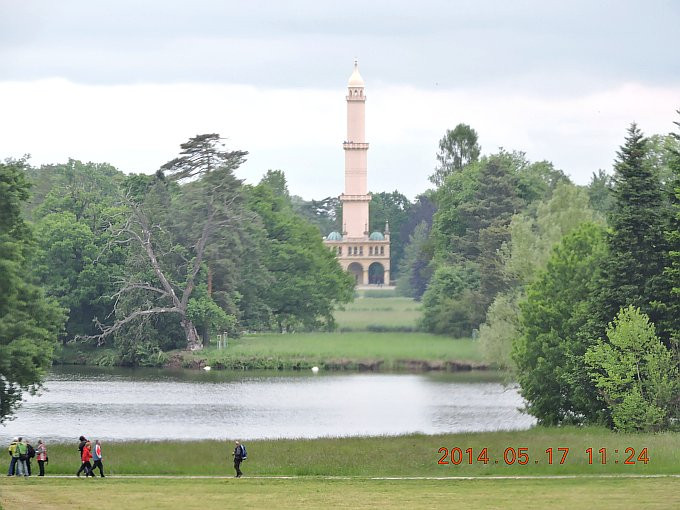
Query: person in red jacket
[{"x": 86, "y": 457}]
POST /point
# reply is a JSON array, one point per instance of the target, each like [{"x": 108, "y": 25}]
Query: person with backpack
[
  {"x": 13, "y": 456},
  {"x": 239, "y": 456},
  {"x": 30, "y": 453},
  {"x": 41, "y": 456},
  {"x": 97, "y": 458}
]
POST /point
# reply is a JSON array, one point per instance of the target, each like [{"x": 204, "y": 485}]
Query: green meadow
[
  {"x": 378, "y": 330},
  {"x": 359, "y": 349},
  {"x": 412, "y": 455},
  {"x": 386, "y": 313}
]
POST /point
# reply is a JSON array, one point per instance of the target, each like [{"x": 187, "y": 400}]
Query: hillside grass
[
  {"x": 244, "y": 493},
  {"x": 411, "y": 455}
]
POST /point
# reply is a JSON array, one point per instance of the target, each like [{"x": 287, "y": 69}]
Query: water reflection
[{"x": 123, "y": 404}]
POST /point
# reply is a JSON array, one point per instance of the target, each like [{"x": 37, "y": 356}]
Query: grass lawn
[{"x": 48, "y": 494}]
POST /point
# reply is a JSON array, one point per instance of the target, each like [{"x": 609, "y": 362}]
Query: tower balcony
[
  {"x": 360, "y": 146},
  {"x": 355, "y": 198}
]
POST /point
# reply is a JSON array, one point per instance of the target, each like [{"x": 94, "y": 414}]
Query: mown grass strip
[{"x": 51, "y": 494}]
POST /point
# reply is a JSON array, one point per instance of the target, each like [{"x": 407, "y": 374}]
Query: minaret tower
[
  {"x": 355, "y": 199},
  {"x": 365, "y": 256}
]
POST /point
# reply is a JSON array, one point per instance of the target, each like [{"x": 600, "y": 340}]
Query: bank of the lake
[
  {"x": 374, "y": 333},
  {"x": 412, "y": 455}
]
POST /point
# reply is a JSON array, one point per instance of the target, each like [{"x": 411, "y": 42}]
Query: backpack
[
  {"x": 244, "y": 453},
  {"x": 30, "y": 452}
]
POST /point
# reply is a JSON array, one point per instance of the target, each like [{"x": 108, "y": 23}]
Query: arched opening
[
  {"x": 376, "y": 274},
  {"x": 357, "y": 271}
]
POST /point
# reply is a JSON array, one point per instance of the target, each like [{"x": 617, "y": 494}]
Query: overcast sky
[{"x": 127, "y": 81}]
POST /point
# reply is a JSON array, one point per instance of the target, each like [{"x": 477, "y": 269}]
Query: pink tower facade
[{"x": 366, "y": 255}]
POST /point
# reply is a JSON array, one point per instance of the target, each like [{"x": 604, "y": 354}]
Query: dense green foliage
[
  {"x": 549, "y": 353},
  {"x": 307, "y": 282},
  {"x": 470, "y": 232},
  {"x": 533, "y": 234},
  {"x": 635, "y": 374},
  {"x": 29, "y": 322}
]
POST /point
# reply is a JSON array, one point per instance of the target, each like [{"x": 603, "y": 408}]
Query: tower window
[
  {"x": 361, "y": 250},
  {"x": 339, "y": 250},
  {"x": 382, "y": 250},
  {"x": 370, "y": 250}
]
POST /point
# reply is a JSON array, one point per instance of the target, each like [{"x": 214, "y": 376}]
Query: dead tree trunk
[{"x": 194, "y": 343}]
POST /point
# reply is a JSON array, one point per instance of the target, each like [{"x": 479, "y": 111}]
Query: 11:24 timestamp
[{"x": 522, "y": 456}]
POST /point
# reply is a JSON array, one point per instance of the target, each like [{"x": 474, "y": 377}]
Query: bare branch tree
[{"x": 217, "y": 199}]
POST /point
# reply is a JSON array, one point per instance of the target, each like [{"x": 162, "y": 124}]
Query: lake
[{"x": 117, "y": 404}]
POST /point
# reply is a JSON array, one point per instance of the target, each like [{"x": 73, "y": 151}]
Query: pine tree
[
  {"x": 672, "y": 271},
  {"x": 633, "y": 272}
]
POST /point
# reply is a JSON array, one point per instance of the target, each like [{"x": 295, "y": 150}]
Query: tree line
[
  {"x": 144, "y": 264},
  {"x": 574, "y": 289}
]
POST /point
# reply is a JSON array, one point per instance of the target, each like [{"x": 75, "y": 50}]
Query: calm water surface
[{"x": 150, "y": 404}]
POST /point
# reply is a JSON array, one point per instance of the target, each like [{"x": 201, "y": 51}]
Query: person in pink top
[{"x": 41, "y": 456}]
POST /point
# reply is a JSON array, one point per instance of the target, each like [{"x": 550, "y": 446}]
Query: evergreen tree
[
  {"x": 672, "y": 270},
  {"x": 29, "y": 323},
  {"x": 633, "y": 272}
]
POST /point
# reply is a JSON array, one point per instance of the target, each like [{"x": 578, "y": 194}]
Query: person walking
[
  {"x": 238, "y": 458},
  {"x": 97, "y": 458},
  {"x": 22, "y": 450},
  {"x": 41, "y": 456},
  {"x": 81, "y": 447},
  {"x": 13, "y": 456},
  {"x": 85, "y": 457}
]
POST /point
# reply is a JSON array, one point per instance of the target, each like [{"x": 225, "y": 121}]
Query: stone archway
[
  {"x": 376, "y": 274},
  {"x": 357, "y": 271}
]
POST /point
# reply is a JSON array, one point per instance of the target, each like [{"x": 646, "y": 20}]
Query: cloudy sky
[{"x": 127, "y": 81}]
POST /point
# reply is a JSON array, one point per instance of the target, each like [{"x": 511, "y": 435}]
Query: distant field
[
  {"x": 373, "y": 332},
  {"x": 339, "y": 350},
  {"x": 371, "y": 312},
  {"x": 57, "y": 494}
]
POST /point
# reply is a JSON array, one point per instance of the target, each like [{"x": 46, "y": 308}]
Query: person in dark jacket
[
  {"x": 238, "y": 458},
  {"x": 84, "y": 465},
  {"x": 30, "y": 453}
]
